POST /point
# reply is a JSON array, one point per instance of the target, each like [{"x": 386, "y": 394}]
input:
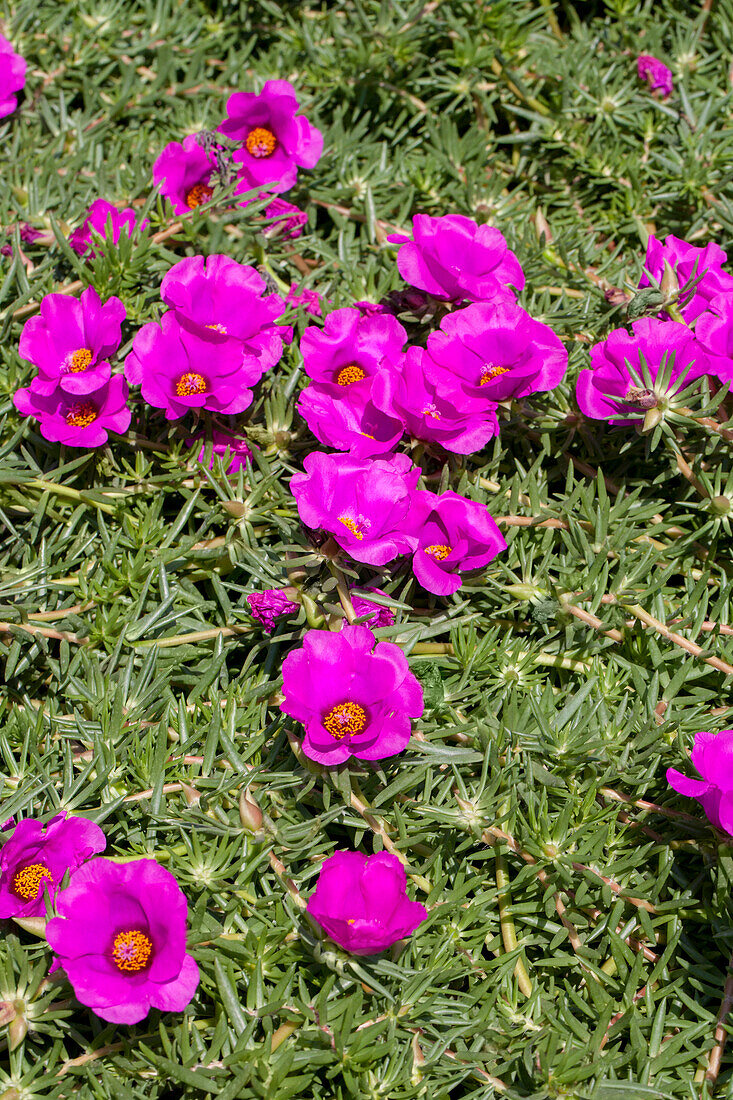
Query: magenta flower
[
  {"x": 187, "y": 175},
  {"x": 354, "y": 696},
  {"x": 223, "y": 443},
  {"x": 29, "y": 234},
  {"x": 105, "y": 222},
  {"x": 712, "y": 755},
  {"x": 217, "y": 297},
  {"x": 378, "y": 614},
  {"x": 71, "y": 341},
  {"x": 454, "y": 536},
  {"x": 434, "y": 411},
  {"x": 179, "y": 370},
  {"x": 310, "y": 300},
  {"x": 364, "y": 504},
  {"x": 632, "y": 372},
  {"x": 288, "y": 220},
  {"x": 370, "y": 309},
  {"x": 495, "y": 352},
  {"x": 656, "y": 74},
  {"x": 361, "y": 902},
  {"x": 276, "y": 140},
  {"x": 347, "y": 423},
  {"x": 452, "y": 257},
  {"x": 12, "y": 77},
  {"x": 36, "y": 857},
  {"x": 78, "y": 420},
  {"x": 120, "y": 935},
  {"x": 268, "y": 606},
  {"x": 687, "y": 261},
  {"x": 350, "y": 349}
]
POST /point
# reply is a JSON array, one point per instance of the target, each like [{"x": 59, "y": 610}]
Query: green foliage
[{"x": 139, "y": 692}]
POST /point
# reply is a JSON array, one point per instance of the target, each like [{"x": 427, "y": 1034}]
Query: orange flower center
[
  {"x": 439, "y": 551},
  {"x": 261, "y": 142},
  {"x": 198, "y": 195},
  {"x": 131, "y": 950},
  {"x": 27, "y": 881},
  {"x": 350, "y": 374},
  {"x": 82, "y": 414},
  {"x": 190, "y": 384},
  {"x": 80, "y": 360},
  {"x": 490, "y": 372},
  {"x": 345, "y": 720},
  {"x": 352, "y": 526}
]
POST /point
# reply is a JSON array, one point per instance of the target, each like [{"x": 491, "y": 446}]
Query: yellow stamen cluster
[
  {"x": 260, "y": 142},
  {"x": 492, "y": 371},
  {"x": 80, "y": 360},
  {"x": 82, "y": 414},
  {"x": 349, "y": 523},
  {"x": 131, "y": 950},
  {"x": 350, "y": 374},
  {"x": 190, "y": 384},
  {"x": 439, "y": 551},
  {"x": 26, "y": 882},
  {"x": 345, "y": 720},
  {"x": 198, "y": 195}
]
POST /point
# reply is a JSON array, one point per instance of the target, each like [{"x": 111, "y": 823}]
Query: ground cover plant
[{"x": 365, "y": 495}]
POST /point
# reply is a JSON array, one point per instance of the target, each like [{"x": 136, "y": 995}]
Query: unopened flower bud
[
  {"x": 191, "y": 795},
  {"x": 249, "y": 813},
  {"x": 17, "y": 1031},
  {"x": 652, "y": 418},
  {"x": 7, "y": 1012},
  {"x": 235, "y": 508},
  {"x": 721, "y": 505},
  {"x": 669, "y": 283}
]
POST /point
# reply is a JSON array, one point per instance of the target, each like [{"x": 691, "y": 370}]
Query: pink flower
[
  {"x": 309, "y": 299},
  {"x": 268, "y": 606},
  {"x": 452, "y": 257},
  {"x": 454, "y": 536},
  {"x": 36, "y": 857},
  {"x": 276, "y": 140},
  {"x": 288, "y": 220},
  {"x": 350, "y": 349},
  {"x": 354, "y": 695},
  {"x": 217, "y": 297},
  {"x": 348, "y": 423},
  {"x": 71, "y": 340},
  {"x": 656, "y": 74},
  {"x": 102, "y": 218},
  {"x": 364, "y": 504},
  {"x": 120, "y": 935},
  {"x": 435, "y": 411},
  {"x": 81, "y": 420},
  {"x": 12, "y": 77},
  {"x": 495, "y": 352},
  {"x": 221, "y": 444},
  {"x": 179, "y": 370},
  {"x": 361, "y": 902},
  {"x": 687, "y": 261},
  {"x": 632, "y": 372},
  {"x": 712, "y": 756},
  {"x": 187, "y": 175},
  {"x": 379, "y": 615}
]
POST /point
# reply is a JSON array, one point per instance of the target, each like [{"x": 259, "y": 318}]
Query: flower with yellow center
[
  {"x": 350, "y": 374},
  {"x": 82, "y": 414},
  {"x": 79, "y": 360},
  {"x": 27, "y": 881},
  {"x": 131, "y": 950},
  {"x": 345, "y": 720},
  {"x": 260, "y": 142},
  {"x": 438, "y": 550},
  {"x": 197, "y": 195},
  {"x": 190, "y": 384},
  {"x": 490, "y": 372}
]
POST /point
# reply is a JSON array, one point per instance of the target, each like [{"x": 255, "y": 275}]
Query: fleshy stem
[{"x": 508, "y": 931}]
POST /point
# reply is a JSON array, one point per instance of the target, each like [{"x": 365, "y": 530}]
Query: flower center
[
  {"x": 643, "y": 399},
  {"x": 490, "y": 372},
  {"x": 350, "y": 374},
  {"x": 79, "y": 360},
  {"x": 345, "y": 720},
  {"x": 198, "y": 195},
  {"x": 430, "y": 410},
  {"x": 357, "y": 527},
  {"x": 82, "y": 414},
  {"x": 190, "y": 384},
  {"x": 27, "y": 881},
  {"x": 438, "y": 550},
  {"x": 131, "y": 950},
  {"x": 217, "y": 328},
  {"x": 261, "y": 142}
]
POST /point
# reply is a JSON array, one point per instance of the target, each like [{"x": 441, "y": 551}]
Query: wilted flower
[
  {"x": 216, "y": 296},
  {"x": 71, "y": 340},
  {"x": 354, "y": 695},
  {"x": 78, "y": 420},
  {"x": 495, "y": 352},
  {"x": 179, "y": 370},
  {"x": 364, "y": 504},
  {"x": 121, "y": 938},
  {"x": 712, "y": 755},
  {"x": 656, "y": 74},
  {"x": 435, "y": 411},
  {"x": 310, "y": 300},
  {"x": 276, "y": 140},
  {"x": 455, "y": 258},
  {"x": 361, "y": 902},
  {"x": 639, "y": 370},
  {"x": 12, "y": 77},
  {"x": 288, "y": 220},
  {"x": 221, "y": 443},
  {"x": 688, "y": 262},
  {"x": 106, "y": 222},
  {"x": 454, "y": 536},
  {"x": 29, "y": 234},
  {"x": 268, "y": 606},
  {"x": 36, "y": 857},
  {"x": 379, "y": 615}
]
